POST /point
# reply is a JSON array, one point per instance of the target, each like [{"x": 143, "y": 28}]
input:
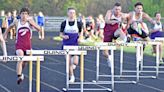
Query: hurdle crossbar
[
  {"x": 21, "y": 58},
  {"x": 55, "y": 52}
]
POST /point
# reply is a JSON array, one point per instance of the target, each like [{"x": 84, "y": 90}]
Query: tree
[
  {"x": 79, "y": 5},
  {"x": 9, "y": 5},
  {"x": 151, "y": 6}
]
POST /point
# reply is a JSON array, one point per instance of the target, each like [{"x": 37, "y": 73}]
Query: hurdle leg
[
  {"x": 157, "y": 60},
  {"x": 38, "y": 75},
  {"x": 137, "y": 63},
  {"x": 82, "y": 72},
  {"x": 67, "y": 71},
  {"x": 141, "y": 55},
  {"x": 30, "y": 74},
  {"x": 112, "y": 69},
  {"x": 97, "y": 64},
  {"x": 121, "y": 60}
]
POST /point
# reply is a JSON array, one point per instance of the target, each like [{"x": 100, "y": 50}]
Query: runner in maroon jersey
[{"x": 23, "y": 38}]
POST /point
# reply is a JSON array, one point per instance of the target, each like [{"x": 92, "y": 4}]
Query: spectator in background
[
  {"x": 15, "y": 17},
  {"x": 40, "y": 21},
  {"x": 90, "y": 25},
  {"x": 3, "y": 21},
  {"x": 10, "y": 20},
  {"x": 81, "y": 19},
  {"x": 100, "y": 23},
  {"x": 35, "y": 17},
  {"x": 3, "y": 44}
]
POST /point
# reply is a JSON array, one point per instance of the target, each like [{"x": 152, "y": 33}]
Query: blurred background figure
[
  {"x": 3, "y": 21},
  {"x": 90, "y": 25},
  {"x": 10, "y": 20},
  {"x": 40, "y": 21},
  {"x": 100, "y": 23}
]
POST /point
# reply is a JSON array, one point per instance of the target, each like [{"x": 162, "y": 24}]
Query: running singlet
[
  {"x": 72, "y": 32},
  {"x": 158, "y": 26},
  {"x": 113, "y": 17},
  {"x": 109, "y": 29},
  {"x": 23, "y": 36},
  {"x": 134, "y": 17},
  {"x": 40, "y": 20}
]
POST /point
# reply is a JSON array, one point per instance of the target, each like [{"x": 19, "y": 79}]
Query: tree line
[{"x": 86, "y": 7}]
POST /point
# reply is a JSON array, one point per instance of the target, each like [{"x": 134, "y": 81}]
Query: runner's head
[
  {"x": 9, "y": 14},
  {"x": 14, "y": 13},
  {"x": 40, "y": 14},
  {"x": 138, "y": 7},
  {"x": 158, "y": 16},
  {"x": 117, "y": 8},
  {"x": 71, "y": 12},
  {"x": 24, "y": 13},
  {"x": 2, "y": 13},
  {"x": 100, "y": 16}
]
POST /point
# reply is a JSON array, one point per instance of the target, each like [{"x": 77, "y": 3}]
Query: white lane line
[
  {"x": 147, "y": 86},
  {"x": 44, "y": 83},
  {"x": 151, "y": 87},
  {"x": 5, "y": 88}
]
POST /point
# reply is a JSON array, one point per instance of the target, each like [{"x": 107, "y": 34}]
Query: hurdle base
[
  {"x": 126, "y": 76},
  {"x": 93, "y": 82},
  {"x": 107, "y": 82},
  {"x": 153, "y": 66},
  {"x": 88, "y": 89}
]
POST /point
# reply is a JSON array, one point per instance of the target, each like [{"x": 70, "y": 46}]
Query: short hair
[
  {"x": 117, "y": 4},
  {"x": 138, "y": 3},
  {"x": 71, "y": 8},
  {"x": 157, "y": 13},
  {"x": 25, "y": 9}
]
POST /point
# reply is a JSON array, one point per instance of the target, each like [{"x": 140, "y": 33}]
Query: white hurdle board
[
  {"x": 21, "y": 58},
  {"x": 55, "y": 52}
]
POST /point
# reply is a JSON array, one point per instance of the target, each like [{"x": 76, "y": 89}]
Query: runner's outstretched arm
[{"x": 32, "y": 22}]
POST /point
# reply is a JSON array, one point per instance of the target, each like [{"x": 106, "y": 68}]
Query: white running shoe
[
  {"x": 72, "y": 79},
  {"x": 40, "y": 37},
  {"x": 20, "y": 79},
  {"x": 74, "y": 66}
]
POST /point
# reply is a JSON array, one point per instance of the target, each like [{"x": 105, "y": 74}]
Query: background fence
[{"x": 53, "y": 23}]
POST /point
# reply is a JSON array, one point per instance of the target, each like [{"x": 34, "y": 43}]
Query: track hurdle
[
  {"x": 67, "y": 53},
  {"x": 30, "y": 59},
  {"x": 142, "y": 67},
  {"x": 157, "y": 42},
  {"x": 98, "y": 48},
  {"x": 139, "y": 59},
  {"x": 122, "y": 44}
]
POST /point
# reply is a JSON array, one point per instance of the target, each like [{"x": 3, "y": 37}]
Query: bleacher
[{"x": 53, "y": 23}]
